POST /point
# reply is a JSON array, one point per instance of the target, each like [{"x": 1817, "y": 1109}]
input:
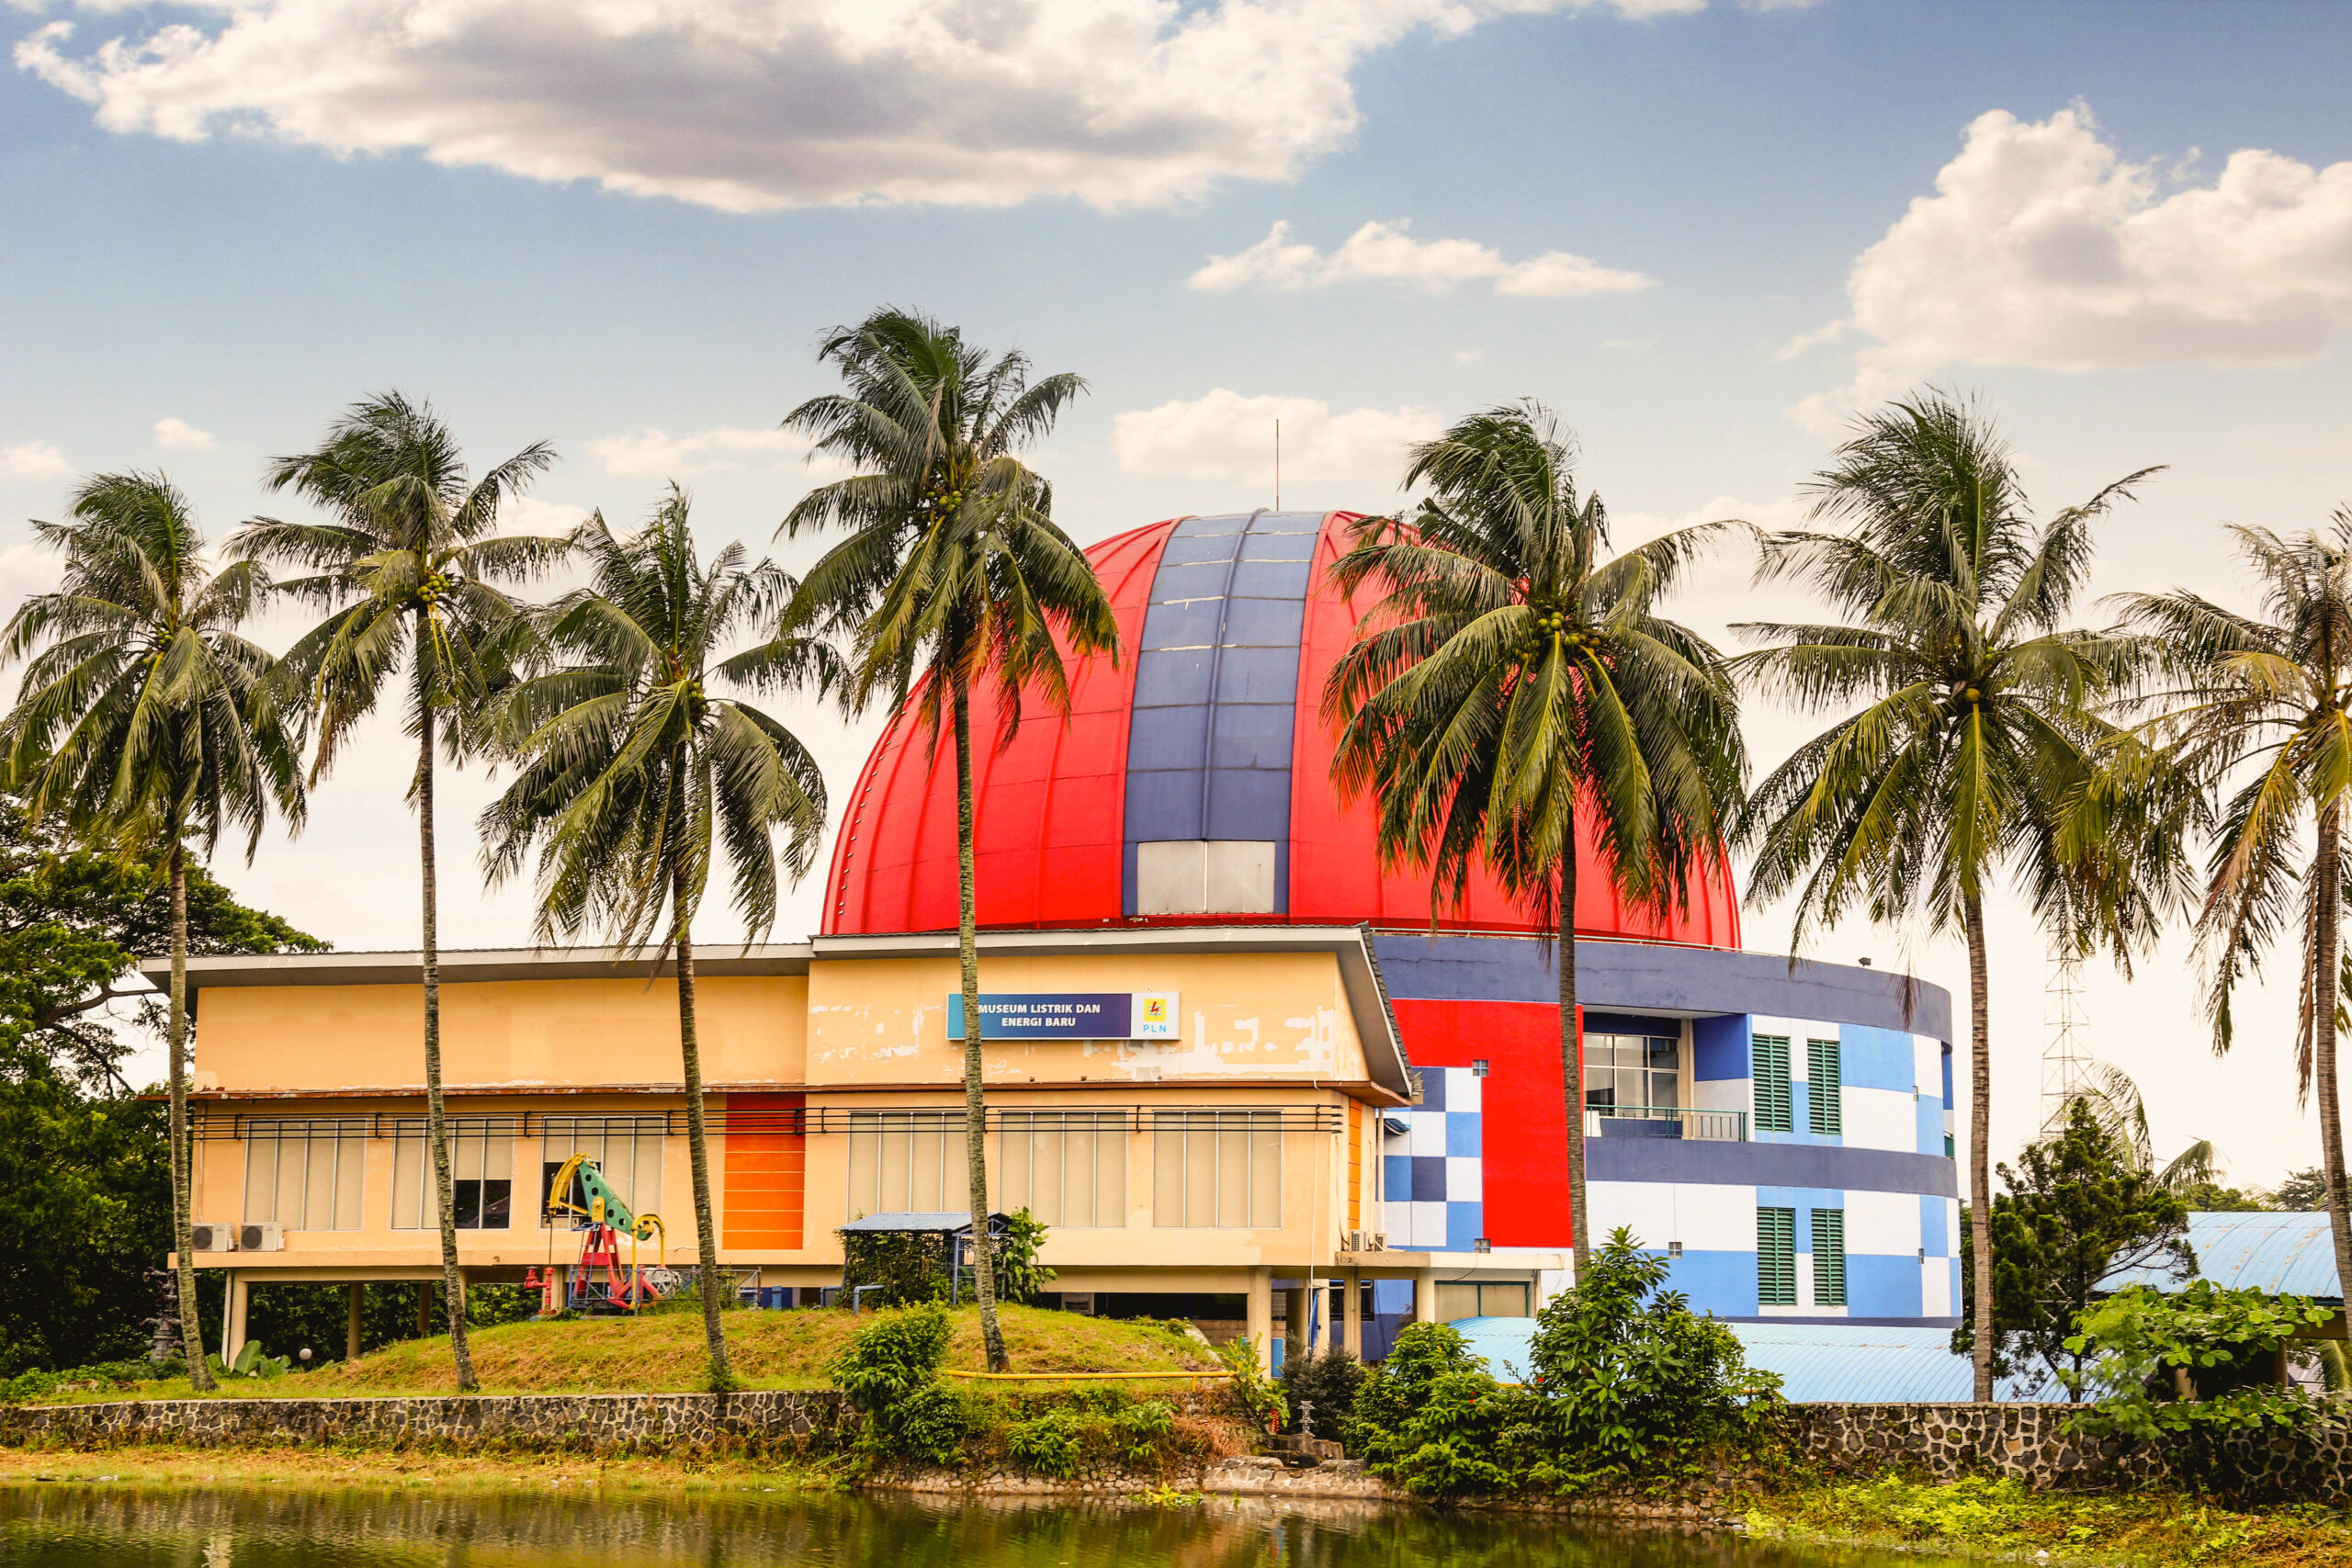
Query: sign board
[{"x": 1069, "y": 1015}]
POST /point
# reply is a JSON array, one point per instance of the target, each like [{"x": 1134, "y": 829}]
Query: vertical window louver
[
  {"x": 1771, "y": 1069},
  {"x": 1825, "y": 1095},
  {"x": 1829, "y": 1258},
  {"x": 1776, "y": 1257}
]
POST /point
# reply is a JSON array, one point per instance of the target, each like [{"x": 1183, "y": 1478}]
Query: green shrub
[
  {"x": 1019, "y": 1275},
  {"x": 890, "y": 1370},
  {"x": 2224, "y": 1343},
  {"x": 1627, "y": 1386},
  {"x": 1051, "y": 1445},
  {"x": 1144, "y": 1432},
  {"x": 1328, "y": 1382},
  {"x": 1255, "y": 1397}
]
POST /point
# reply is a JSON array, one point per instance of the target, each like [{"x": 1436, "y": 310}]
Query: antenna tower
[{"x": 2065, "y": 1051}]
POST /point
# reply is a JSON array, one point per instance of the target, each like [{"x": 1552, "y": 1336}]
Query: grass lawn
[
  {"x": 2001, "y": 1519},
  {"x": 662, "y": 1352}
]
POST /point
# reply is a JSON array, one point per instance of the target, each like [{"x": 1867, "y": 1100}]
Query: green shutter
[
  {"x": 1771, "y": 1069},
  {"x": 1826, "y": 1110},
  {"x": 1776, "y": 1257},
  {"x": 1829, "y": 1258}
]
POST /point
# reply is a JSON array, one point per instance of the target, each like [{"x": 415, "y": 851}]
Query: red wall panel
[{"x": 1523, "y": 1118}]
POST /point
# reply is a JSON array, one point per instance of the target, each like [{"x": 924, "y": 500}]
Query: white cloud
[
  {"x": 1388, "y": 253},
  {"x": 2042, "y": 246},
  {"x": 178, "y": 436},
  {"x": 33, "y": 460},
  {"x": 527, "y": 514},
  {"x": 654, "y": 453},
  {"x": 1225, "y": 435},
  {"x": 751, "y": 105}
]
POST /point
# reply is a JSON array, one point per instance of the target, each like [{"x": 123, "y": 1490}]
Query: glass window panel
[
  {"x": 408, "y": 1183},
  {"x": 1232, "y": 1173},
  {"x": 1665, "y": 1089},
  {"x": 350, "y": 1181},
  {"x": 1266, "y": 1175},
  {"x": 898, "y": 1171},
  {"x": 1664, "y": 1052},
  {"x": 1046, "y": 1154},
  {"x": 286, "y": 1207},
  {"x": 1014, "y": 1144},
  {"x": 1111, "y": 1173},
  {"x": 261, "y": 1179},
  {"x": 1168, "y": 1176},
  {"x": 318, "y": 1197},
  {"x": 496, "y": 1204},
  {"x": 865, "y": 1171},
  {"x": 498, "y": 1157}
]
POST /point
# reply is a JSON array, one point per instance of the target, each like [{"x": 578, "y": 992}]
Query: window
[
  {"x": 1824, "y": 1096},
  {"x": 1632, "y": 1075},
  {"x": 627, "y": 1149},
  {"x": 1202, "y": 876},
  {"x": 1829, "y": 1258},
  {"x": 906, "y": 1160},
  {"x": 305, "y": 1175},
  {"x": 482, "y": 1176},
  {"x": 1067, "y": 1167},
  {"x": 1950, "y": 1152},
  {"x": 1776, "y": 1257},
  {"x": 1457, "y": 1302},
  {"x": 1771, "y": 1069},
  {"x": 1216, "y": 1167}
]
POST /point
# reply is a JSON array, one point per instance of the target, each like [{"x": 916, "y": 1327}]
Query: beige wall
[
  {"x": 1245, "y": 1015},
  {"x": 501, "y": 1033},
  {"x": 1260, "y": 1030}
]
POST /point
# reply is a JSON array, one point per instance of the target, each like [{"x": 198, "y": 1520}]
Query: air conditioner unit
[
  {"x": 265, "y": 1237},
  {"x": 1379, "y": 1241},
  {"x": 1355, "y": 1241},
  {"x": 214, "y": 1237}
]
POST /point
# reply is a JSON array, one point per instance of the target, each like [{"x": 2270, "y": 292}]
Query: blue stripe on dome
[{"x": 1216, "y": 687}]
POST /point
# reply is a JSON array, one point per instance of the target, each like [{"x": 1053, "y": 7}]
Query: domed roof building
[
  {"x": 1781, "y": 1130},
  {"x": 1193, "y": 781}
]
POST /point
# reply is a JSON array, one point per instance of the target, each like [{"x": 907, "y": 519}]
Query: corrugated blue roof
[
  {"x": 2284, "y": 1254},
  {"x": 1818, "y": 1362}
]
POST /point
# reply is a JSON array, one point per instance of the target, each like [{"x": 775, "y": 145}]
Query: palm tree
[
  {"x": 406, "y": 575},
  {"x": 633, "y": 771},
  {"x": 2272, "y": 693},
  {"x": 1511, "y": 685},
  {"x": 953, "y": 576},
  {"x": 1976, "y": 751},
  {"x": 147, "y": 721}
]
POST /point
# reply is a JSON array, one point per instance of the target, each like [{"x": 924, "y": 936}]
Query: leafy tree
[
  {"x": 404, "y": 577},
  {"x": 1512, "y": 691},
  {"x": 2078, "y": 1210},
  {"x": 636, "y": 774},
  {"x": 2302, "y": 1191},
  {"x": 2267, "y": 700},
  {"x": 1975, "y": 748},
  {"x": 84, "y": 1164},
  {"x": 146, "y": 722},
  {"x": 954, "y": 576}
]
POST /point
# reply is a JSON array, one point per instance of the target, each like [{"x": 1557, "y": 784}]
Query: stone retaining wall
[
  {"x": 759, "y": 1421},
  {"x": 2029, "y": 1442}
]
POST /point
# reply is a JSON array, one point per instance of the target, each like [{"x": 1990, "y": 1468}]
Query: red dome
[{"x": 1203, "y": 740}]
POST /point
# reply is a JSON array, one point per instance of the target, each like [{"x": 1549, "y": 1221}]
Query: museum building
[{"x": 1238, "y": 1068}]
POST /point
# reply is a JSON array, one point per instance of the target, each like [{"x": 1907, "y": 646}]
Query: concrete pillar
[
  {"x": 351, "y": 1323},
  {"x": 425, "y": 1309},
  {"x": 1295, "y": 1311},
  {"x": 241, "y": 1297},
  {"x": 1425, "y": 1295},
  {"x": 1352, "y": 1322},
  {"x": 1323, "y": 1326},
  {"x": 1260, "y": 1315}
]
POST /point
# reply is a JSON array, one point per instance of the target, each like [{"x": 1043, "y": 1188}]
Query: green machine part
[{"x": 601, "y": 1204}]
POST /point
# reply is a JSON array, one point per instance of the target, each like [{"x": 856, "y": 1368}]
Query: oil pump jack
[{"x": 601, "y": 1282}]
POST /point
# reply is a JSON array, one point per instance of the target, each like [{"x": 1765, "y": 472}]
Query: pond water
[{"x": 62, "y": 1525}]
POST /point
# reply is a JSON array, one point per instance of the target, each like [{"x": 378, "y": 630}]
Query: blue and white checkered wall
[{"x": 1434, "y": 1189}]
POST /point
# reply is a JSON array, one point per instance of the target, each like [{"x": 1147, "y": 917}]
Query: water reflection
[{"x": 130, "y": 1527}]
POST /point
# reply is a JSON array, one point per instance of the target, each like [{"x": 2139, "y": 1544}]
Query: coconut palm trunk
[
  {"x": 436, "y": 1120},
  {"x": 2328, "y": 892},
  {"x": 183, "y": 1148},
  {"x": 714, "y": 1329},
  {"x": 976, "y": 1110},
  {"x": 1572, "y": 1067},
  {"x": 1979, "y": 1142}
]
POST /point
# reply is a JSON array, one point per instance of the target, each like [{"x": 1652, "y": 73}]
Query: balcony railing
[{"x": 1684, "y": 1122}]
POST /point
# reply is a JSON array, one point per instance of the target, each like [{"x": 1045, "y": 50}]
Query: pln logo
[{"x": 1155, "y": 1015}]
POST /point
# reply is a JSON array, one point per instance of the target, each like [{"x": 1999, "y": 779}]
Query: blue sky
[{"x": 253, "y": 211}]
